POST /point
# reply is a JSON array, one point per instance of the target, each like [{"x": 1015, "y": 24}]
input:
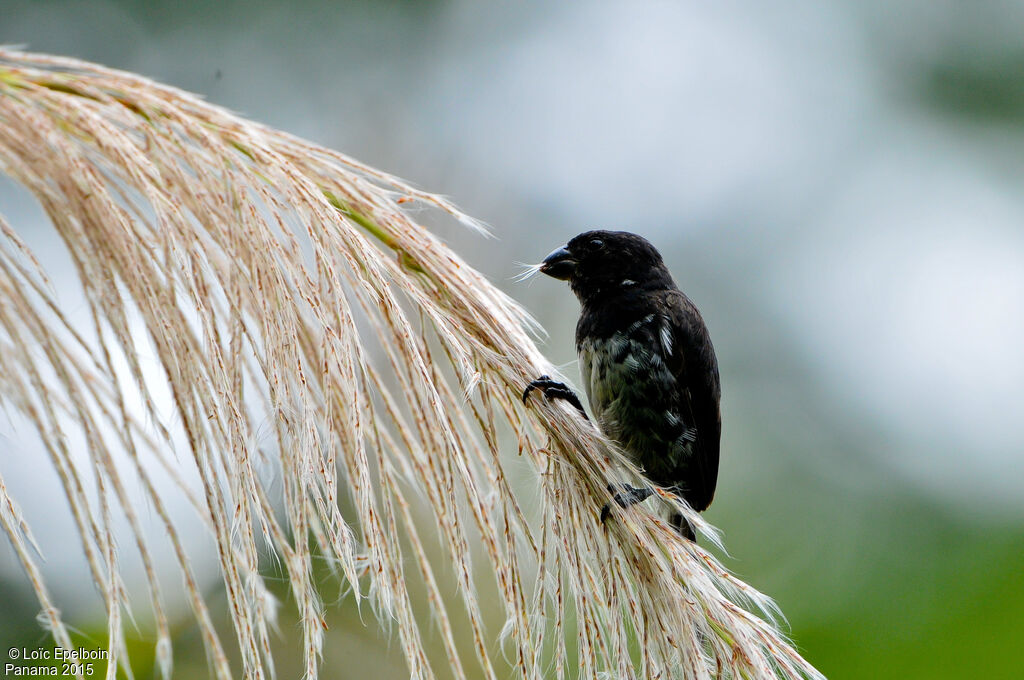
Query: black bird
[{"x": 647, "y": 363}]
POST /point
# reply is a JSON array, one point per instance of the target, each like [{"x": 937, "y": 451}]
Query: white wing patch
[
  {"x": 637, "y": 324},
  {"x": 665, "y": 334}
]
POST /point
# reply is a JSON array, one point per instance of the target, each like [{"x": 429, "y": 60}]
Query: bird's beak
[{"x": 559, "y": 265}]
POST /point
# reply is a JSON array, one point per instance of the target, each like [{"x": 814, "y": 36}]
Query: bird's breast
[{"x": 632, "y": 392}]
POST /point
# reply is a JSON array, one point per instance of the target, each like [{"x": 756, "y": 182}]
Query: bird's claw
[
  {"x": 539, "y": 384},
  {"x": 552, "y": 389},
  {"x": 630, "y": 495}
]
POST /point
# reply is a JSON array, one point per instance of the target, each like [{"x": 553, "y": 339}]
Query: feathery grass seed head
[{"x": 304, "y": 322}]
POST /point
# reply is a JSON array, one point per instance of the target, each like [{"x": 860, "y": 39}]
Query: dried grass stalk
[{"x": 287, "y": 288}]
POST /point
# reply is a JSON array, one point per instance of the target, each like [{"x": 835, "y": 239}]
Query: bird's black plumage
[{"x": 647, "y": 362}]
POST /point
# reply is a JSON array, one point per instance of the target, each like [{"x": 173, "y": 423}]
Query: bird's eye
[{"x": 595, "y": 244}]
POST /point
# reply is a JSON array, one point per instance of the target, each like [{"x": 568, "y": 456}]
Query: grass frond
[{"x": 305, "y": 323}]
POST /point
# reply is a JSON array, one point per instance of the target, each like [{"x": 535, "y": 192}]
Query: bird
[{"x": 648, "y": 366}]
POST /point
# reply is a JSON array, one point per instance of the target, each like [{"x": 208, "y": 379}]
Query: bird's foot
[
  {"x": 629, "y": 495},
  {"x": 552, "y": 389}
]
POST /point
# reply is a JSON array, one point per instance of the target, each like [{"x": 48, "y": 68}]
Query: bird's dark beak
[{"x": 559, "y": 264}]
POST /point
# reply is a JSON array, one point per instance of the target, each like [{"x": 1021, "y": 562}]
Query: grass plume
[{"x": 286, "y": 288}]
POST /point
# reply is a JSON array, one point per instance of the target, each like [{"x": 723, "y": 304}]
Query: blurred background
[{"x": 839, "y": 186}]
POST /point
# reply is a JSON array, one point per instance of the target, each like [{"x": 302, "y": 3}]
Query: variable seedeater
[{"x": 647, "y": 363}]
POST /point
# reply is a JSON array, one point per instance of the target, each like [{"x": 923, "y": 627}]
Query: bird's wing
[{"x": 691, "y": 358}]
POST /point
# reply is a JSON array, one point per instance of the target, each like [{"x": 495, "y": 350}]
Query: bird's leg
[
  {"x": 684, "y": 527},
  {"x": 553, "y": 389},
  {"x": 630, "y": 495}
]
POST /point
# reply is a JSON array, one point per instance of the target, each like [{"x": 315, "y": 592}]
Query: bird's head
[{"x": 600, "y": 264}]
